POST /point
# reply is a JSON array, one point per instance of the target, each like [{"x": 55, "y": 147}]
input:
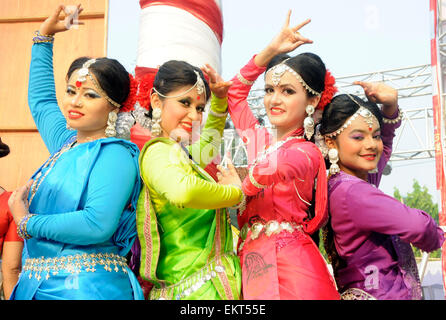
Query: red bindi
[
  {"x": 78, "y": 84},
  {"x": 370, "y": 129},
  {"x": 198, "y": 97}
]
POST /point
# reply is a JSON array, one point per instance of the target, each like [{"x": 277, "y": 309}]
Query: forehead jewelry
[
  {"x": 279, "y": 70},
  {"x": 82, "y": 75},
  {"x": 365, "y": 113},
  {"x": 199, "y": 84},
  {"x": 83, "y": 72}
]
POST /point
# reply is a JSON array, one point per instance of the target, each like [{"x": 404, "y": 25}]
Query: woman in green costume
[{"x": 182, "y": 221}]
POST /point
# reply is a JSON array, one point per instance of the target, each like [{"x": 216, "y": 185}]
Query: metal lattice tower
[{"x": 414, "y": 139}]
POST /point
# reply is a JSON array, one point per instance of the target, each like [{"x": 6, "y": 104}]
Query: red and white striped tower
[
  {"x": 188, "y": 30},
  {"x": 438, "y": 100}
]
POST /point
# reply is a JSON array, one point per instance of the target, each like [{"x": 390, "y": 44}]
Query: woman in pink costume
[{"x": 286, "y": 188}]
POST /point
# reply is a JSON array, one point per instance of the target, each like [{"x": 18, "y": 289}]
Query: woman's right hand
[
  {"x": 53, "y": 24},
  {"x": 287, "y": 40},
  {"x": 228, "y": 176}
]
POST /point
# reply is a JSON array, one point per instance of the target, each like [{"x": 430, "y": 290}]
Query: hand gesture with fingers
[
  {"x": 379, "y": 92},
  {"x": 218, "y": 86},
  {"x": 18, "y": 202},
  {"x": 53, "y": 24},
  {"x": 228, "y": 175},
  {"x": 289, "y": 38}
]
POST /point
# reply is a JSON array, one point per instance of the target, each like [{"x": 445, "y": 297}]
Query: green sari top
[{"x": 183, "y": 226}]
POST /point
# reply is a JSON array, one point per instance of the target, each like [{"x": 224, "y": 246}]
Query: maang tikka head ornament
[
  {"x": 279, "y": 70},
  {"x": 365, "y": 113},
  {"x": 82, "y": 75},
  {"x": 199, "y": 84},
  {"x": 201, "y": 88},
  {"x": 83, "y": 72}
]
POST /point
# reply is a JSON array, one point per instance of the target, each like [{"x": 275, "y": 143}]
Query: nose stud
[{"x": 79, "y": 104}]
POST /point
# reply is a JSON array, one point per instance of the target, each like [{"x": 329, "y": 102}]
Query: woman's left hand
[
  {"x": 218, "y": 86},
  {"x": 53, "y": 24},
  {"x": 379, "y": 92},
  {"x": 18, "y": 202}
]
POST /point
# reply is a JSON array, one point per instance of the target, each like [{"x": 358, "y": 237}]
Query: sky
[{"x": 351, "y": 37}]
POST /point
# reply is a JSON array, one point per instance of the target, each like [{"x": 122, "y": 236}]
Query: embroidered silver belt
[
  {"x": 356, "y": 294},
  {"x": 74, "y": 264},
  {"x": 269, "y": 228}
]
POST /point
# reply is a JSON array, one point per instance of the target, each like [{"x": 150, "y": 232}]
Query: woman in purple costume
[{"x": 369, "y": 233}]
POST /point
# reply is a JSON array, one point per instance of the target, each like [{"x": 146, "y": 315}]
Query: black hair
[
  {"x": 343, "y": 107},
  {"x": 308, "y": 65},
  {"x": 4, "y": 149},
  {"x": 110, "y": 74},
  {"x": 175, "y": 74},
  {"x": 335, "y": 114}
]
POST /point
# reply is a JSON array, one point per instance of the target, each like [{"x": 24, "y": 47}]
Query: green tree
[{"x": 420, "y": 198}]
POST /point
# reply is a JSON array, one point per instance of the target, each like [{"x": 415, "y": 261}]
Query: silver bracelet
[
  {"x": 253, "y": 180},
  {"x": 243, "y": 80},
  {"x": 393, "y": 121},
  {"x": 218, "y": 114}
]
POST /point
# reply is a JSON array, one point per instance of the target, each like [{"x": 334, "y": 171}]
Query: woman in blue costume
[{"x": 77, "y": 213}]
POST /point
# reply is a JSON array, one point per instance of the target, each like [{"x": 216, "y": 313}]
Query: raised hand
[
  {"x": 218, "y": 86},
  {"x": 287, "y": 40},
  {"x": 53, "y": 24},
  {"x": 379, "y": 92}
]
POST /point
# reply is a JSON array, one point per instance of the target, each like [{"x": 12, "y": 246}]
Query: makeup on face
[
  {"x": 180, "y": 113},
  {"x": 285, "y": 103},
  {"x": 359, "y": 148},
  {"x": 85, "y": 109},
  {"x": 89, "y": 92}
]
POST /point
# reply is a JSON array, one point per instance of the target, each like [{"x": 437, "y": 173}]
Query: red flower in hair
[
  {"x": 129, "y": 103},
  {"x": 328, "y": 92},
  {"x": 145, "y": 89}
]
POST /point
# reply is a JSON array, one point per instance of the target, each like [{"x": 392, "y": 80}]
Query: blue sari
[{"x": 84, "y": 206}]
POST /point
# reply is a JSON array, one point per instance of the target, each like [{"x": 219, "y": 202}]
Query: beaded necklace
[{"x": 274, "y": 147}]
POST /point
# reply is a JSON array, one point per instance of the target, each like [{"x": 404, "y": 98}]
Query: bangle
[
  {"x": 241, "y": 206},
  {"x": 218, "y": 114},
  {"x": 39, "y": 38},
  {"x": 243, "y": 80},
  {"x": 21, "y": 228},
  {"x": 393, "y": 121},
  {"x": 253, "y": 180}
]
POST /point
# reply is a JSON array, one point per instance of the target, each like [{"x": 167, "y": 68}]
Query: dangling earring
[
  {"x": 333, "y": 157},
  {"x": 110, "y": 131},
  {"x": 156, "y": 120},
  {"x": 309, "y": 122},
  {"x": 374, "y": 170}
]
